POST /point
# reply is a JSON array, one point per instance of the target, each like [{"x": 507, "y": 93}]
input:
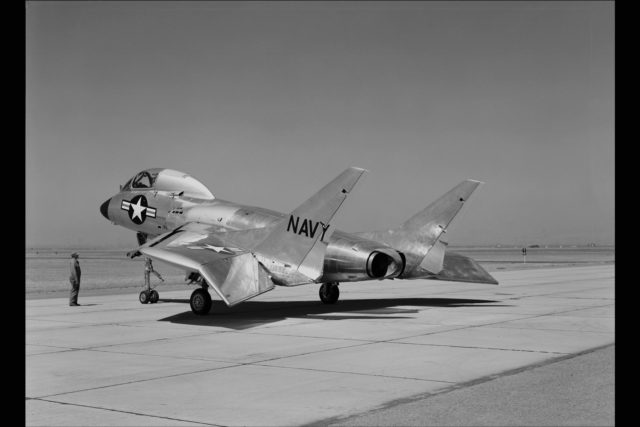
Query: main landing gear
[
  {"x": 329, "y": 292},
  {"x": 200, "y": 301},
  {"x": 149, "y": 296}
]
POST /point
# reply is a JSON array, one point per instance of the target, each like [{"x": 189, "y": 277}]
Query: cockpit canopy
[{"x": 168, "y": 180}]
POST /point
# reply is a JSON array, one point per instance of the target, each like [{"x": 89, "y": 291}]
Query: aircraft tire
[
  {"x": 200, "y": 302},
  {"x": 154, "y": 296},
  {"x": 329, "y": 293},
  {"x": 144, "y": 297}
]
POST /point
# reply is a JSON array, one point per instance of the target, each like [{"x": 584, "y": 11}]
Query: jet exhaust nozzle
[{"x": 384, "y": 264}]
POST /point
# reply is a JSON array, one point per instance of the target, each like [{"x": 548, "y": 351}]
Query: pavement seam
[
  {"x": 222, "y": 360},
  {"x": 559, "y": 294},
  {"x": 124, "y": 412},
  {"x": 149, "y": 341},
  {"x": 353, "y": 373},
  {"x": 135, "y": 381},
  {"x": 478, "y": 347},
  {"x": 362, "y": 340},
  {"x": 307, "y": 353},
  {"x": 554, "y": 329},
  {"x": 165, "y": 356},
  {"x": 96, "y": 348}
]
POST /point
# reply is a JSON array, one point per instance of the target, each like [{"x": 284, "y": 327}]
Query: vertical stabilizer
[
  {"x": 300, "y": 239},
  {"x": 418, "y": 238},
  {"x": 429, "y": 224}
]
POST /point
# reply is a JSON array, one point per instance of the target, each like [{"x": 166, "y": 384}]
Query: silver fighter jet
[{"x": 243, "y": 251}]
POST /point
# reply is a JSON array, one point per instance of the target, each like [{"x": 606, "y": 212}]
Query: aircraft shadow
[{"x": 256, "y": 313}]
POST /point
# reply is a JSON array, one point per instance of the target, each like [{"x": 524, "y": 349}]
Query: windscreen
[{"x": 141, "y": 180}]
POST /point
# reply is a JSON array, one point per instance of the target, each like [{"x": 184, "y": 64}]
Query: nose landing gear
[{"x": 149, "y": 296}]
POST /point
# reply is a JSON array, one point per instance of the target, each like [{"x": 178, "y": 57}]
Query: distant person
[
  {"x": 74, "y": 278},
  {"x": 148, "y": 269}
]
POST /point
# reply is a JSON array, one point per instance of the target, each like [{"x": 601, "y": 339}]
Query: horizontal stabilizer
[{"x": 460, "y": 268}]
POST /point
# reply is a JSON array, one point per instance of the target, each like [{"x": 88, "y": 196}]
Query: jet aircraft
[{"x": 243, "y": 251}]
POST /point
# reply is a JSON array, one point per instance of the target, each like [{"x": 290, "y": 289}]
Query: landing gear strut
[{"x": 329, "y": 293}]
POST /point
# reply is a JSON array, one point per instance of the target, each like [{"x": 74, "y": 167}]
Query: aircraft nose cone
[{"x": 104, "y": 209}]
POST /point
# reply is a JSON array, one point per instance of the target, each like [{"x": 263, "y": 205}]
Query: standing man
[{"x": 74, "y": 278}]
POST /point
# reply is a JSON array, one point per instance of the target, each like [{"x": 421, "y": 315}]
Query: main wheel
[
  {"x": 329, "y": 293},
  {"x": 144, "y": 297},
  {"x": 200, "y": 301},
  {"x": 154, "y": 296}
]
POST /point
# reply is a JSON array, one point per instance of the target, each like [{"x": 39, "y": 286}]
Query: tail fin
[
  {"x": 418, "y": 238},
  {"x": 431, "y": 222},
  {"x": 301, "y": 238}
]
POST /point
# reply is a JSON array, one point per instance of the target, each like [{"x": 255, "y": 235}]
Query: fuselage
[{"x": 153, "y": 212}]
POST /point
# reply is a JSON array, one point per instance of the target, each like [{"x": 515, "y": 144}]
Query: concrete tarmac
[{"x": 388, "y": 353}]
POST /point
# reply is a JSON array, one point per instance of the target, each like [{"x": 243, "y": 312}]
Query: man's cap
[{"x": 75, "y": 254}]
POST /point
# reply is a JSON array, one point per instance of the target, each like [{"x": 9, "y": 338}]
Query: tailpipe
[{"x": 384, "y": 264}]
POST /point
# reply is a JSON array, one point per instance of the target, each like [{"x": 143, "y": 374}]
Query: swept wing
[{"x": 243, "y": 264}]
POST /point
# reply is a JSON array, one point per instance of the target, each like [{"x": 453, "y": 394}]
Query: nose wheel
[
  {"x": 154, "y": 296},
  {"x": 329, "y": 293},
  {"x": 144, "y": 297},
  {"x": 149, "y": 297}
]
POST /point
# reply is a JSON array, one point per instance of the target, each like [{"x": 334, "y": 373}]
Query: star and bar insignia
[
  {"x": 138, "y": 209},
  {"x": 218, "y": 249}
]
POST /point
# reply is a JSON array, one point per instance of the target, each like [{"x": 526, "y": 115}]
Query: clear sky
[{"x": 266, "y": 102}]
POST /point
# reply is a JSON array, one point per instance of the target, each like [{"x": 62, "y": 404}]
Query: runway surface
[{"x": 388, "y": 353}]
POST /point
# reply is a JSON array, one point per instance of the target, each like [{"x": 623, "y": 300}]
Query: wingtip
[{"x": 476, "y": 181}]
